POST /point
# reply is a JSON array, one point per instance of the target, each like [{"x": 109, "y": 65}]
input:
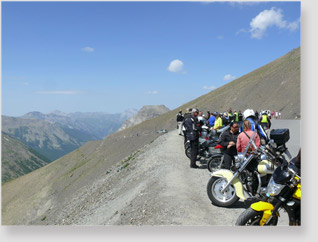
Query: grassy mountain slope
[
  {"x": 273, "y": 86},
  {"x": 17, "y": 159}
]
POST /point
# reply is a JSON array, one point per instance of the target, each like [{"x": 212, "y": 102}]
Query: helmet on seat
[{"x": 247, "y": 113}]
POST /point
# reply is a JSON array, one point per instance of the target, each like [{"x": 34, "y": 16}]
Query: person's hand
[{"x": 231, "y": 143}]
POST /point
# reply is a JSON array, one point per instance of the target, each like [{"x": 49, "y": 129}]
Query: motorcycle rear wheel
[
  {"x": 188, "y": 152},
  {"x": 214, "y": 188},
  {"x": 250, "y": 217}
]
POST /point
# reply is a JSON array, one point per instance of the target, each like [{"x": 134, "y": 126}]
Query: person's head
[
  {"x": 234, "y": 127},
  {"x": 195, "y": 112},
  {"x": 216, "y": 114},
  {"x": 180, "y": 111},
  {"x": 246, "y": 125},
  {"x": 200, "y": 113},
  {"x": 248, "y": 113}
]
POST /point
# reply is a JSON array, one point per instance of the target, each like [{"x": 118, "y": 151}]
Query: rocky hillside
[
  {"x": 275, "y": 86},
  {"x": 145, "y": 113},
  {"x": 17, "y": 159}
]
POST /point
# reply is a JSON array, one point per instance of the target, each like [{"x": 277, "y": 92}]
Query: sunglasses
[{"x": 236, "y": 127}]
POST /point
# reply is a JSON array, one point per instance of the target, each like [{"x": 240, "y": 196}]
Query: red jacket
[{"x": 242, "y": 140}]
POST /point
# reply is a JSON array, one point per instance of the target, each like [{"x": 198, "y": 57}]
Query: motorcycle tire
[
  {"x": 188, "y": 152},
  {"x": 250, "y": 217},
  {"x": 215, "y": 163},
  {"x": 217, "y": 198}
]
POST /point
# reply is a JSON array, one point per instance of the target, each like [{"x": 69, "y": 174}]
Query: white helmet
[{"x": 247, "y": 113}]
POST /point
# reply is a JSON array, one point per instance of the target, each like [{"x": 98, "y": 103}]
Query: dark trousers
[
  {"x": 194, "y": 151},
  {"x": 227, "y": 162}
]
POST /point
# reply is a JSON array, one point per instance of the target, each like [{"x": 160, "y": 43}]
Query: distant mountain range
[{"x": 56, "y": 134}]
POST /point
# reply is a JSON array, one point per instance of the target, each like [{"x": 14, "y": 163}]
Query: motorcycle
[
  {"x": 250, "y": 175},
  {"x": 207, "y": 143},
  {"x": 283, "y": 192}
]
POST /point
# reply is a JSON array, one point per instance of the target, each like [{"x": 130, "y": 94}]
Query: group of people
[
  {"x": 276, "y": 114},
  {"x": 233, "y": 140}
]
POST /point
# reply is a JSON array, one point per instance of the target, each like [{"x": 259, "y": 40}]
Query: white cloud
[
  {"x": 88, "y": 49},
  {"x": 229, "y": 77},
  {"x": 208, "y": 87},
  {"x": 241, "y": 31},
  {"x": 176, "y": 66},
  {"x": 152, "y": 92},
  {"x": 25, "y": 83},
  {"x": 220, "y": 37},
  {"x": 269, "y": 18},
  {"x": 63, "y": 92}
]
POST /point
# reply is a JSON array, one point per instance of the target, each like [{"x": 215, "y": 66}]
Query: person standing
[
  {"x": 228, "y": 140},
  {"x": 180, "y": 119},
  {"x": 236, "y": 118},
  {"x": 211, "y": 120},
  {"x": 265, "y": 121},
  {"x": 218, "y": 122},
  {"x": 187, "y": 114},
  {"x": 244, "y": 137},
  {"x": 240, "y": 120},
  {"x": 192, "y": 132}
]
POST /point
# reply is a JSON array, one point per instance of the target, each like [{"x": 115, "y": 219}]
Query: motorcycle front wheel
[
  {"x": 225, "y": 199},
  {"x": 215, "y": 163},
  {"x": 250, "y": 217}
]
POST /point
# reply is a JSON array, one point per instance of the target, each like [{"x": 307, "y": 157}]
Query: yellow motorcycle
[{"x": 283, "y": 192}]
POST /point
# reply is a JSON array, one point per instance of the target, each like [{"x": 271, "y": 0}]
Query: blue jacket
[
  {"x": 212, "y": 120},
  {"x": 259, "y": 129}
]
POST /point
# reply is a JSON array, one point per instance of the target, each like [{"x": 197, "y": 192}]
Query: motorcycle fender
[
  {"x": 297, "y": 193},
  {"x": 262, "y": 206},
  {"x": 266, "y": 208},
  {"x": 236, "y": 182}
]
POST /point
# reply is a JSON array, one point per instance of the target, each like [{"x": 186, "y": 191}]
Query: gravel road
[{"x": 155, "y": 186}]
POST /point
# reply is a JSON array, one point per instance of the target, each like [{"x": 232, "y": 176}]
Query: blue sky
[{"x": 112, "y": 56}]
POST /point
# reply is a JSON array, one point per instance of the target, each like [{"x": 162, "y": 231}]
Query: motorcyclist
[
  {"x": 249, "y": 114},
  {"x": 187, "y": 114},
  {"x": 236, "y": 116},
  {"x": 192, "y": 132},
  {"x": 218, "y": 122},
  {"x": 225, "y": 119},
  {"x": 228, "y": 140},
  {"x": 265, "y": 121},
  {"x": 180, "y": 119},
  {"x": 211, "y": 120}
]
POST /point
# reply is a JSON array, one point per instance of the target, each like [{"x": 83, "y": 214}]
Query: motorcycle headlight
[
  {"x": 239, "y": 158},
  {"x": 273, "y": 189},
  {"x": 263, "y": 157}
]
